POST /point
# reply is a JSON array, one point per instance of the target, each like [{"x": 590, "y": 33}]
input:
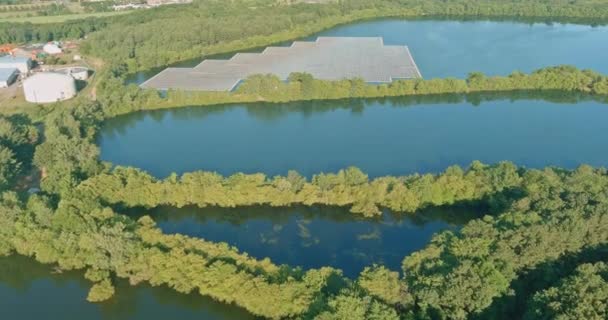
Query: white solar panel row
[{"x": 328, "y": 58}]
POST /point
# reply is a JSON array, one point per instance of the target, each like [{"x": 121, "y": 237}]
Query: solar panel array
[{"x": 328, "y": 58}]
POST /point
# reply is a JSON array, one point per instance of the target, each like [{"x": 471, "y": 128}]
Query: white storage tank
[
  {"x": 47, "y": 87},
  {"x": 79, "y": 73}
]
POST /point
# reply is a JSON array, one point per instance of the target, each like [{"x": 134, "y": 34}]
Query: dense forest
[
  {"x": 583, "y": 295},
  {"x": 538, "y": 250},
  {"x": 18, "y": 137}
]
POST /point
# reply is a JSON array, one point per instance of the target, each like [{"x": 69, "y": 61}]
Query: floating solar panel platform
[{"x": 328, "y": 58}]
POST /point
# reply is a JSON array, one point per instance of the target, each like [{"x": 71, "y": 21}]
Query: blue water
[
  {"x": 382, "y": 138},
  {"x": 32, "y": 291},
  {"x": 454, "y": 48},
  {"x": 314, "y": 237}
]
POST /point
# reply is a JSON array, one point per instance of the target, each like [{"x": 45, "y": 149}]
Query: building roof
[
  {"x": 12, "y": 59},
  {"x": 6, "y": 73},
  {"x": 48, "y": 79},
  {"x": 328, "y": 58}
]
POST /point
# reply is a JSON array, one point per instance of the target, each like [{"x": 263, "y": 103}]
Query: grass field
[{"x": 63, "y": 18}]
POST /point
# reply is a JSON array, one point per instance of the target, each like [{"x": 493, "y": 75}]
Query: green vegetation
[
  {"x": 44, "y": 12},
  {"x": 350, "y": 187},
  {"x": 554, "y": 212},
  {"x": 118, "y": 99},
  {"x": 17, "y": 140},
  {"x": 50, "y": 19},
  {"x": 142, "y": 40},
  {"x": 101, "y": 291},
  {"x": 208, "y": 27},
  {"x": 461, "y": 274},
  {"x": 581, "y": 296},
  {"x": 538, "y": 220},
  {"x": 538, "y": 217}
]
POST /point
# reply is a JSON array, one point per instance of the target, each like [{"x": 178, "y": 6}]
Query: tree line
[
  {"x": 119, "y": 99},
  {"x": 347, "y": 188},
  {"x": 458, "y": 275},
  {"x": 143, "y": 41},
  {"x": 204, "y": 28},
  {"x": 537, "y": 217}
]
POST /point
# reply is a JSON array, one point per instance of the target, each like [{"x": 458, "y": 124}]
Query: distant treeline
[
  {"x": 119, "y": 99},
  {"x": 160, "y": 36},
  {"x": 12, "y": 32}
]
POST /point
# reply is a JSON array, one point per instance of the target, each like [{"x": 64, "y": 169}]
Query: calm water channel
[
  {"x": 32, "y": 291},
  {"x": 389, "y": 137},
  {"x": 455, "y": 48},
  {"x": 312, "y": 237}
]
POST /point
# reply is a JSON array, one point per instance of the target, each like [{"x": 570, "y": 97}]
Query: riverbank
[{"x": 118, "y": 99}]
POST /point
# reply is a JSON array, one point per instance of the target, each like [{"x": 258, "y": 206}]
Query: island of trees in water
[
  {"x": 539, "y": 251},
  {"x": 539, "y": 221}
]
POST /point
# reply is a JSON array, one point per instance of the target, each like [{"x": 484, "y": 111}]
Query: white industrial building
[
  {"x": 47, "y": 87},
  {"x": 8, "y": 76},
  {"x": 24, "y": 64}
]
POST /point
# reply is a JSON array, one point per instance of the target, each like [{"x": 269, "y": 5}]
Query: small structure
[
  {"x": 33, "y": 190},
  {"x": 78, "y": 73},
  {"x": 47, "y": 87},
  {"x": 24, "y": 64},
  {"x": 52, "y": 48},
  {"x": 8, "y": 76},
  {"x": 129, "y": 6},
  {"x": 7, "y": 48},
  {"x": 156, "y": 3}
]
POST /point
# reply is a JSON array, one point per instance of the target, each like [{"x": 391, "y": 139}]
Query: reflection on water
[
  {"x": 448, "y": 48},
  {"x": 30, "y": 290},
  {"x": 380, "y": 136},
  {"x": 312, "y": 237}
]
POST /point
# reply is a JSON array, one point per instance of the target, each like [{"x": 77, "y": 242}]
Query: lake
[
  {"x": 443, "y": 48},
  {"x": 33, "y": 291},
  {"x": 313, "y": 237},
  {"x": 382, "y": 137}
]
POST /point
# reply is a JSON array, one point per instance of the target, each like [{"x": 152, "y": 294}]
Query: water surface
[
  {"x": 33, "y": 291},
  {"x": 382, "y": 137},
  {"x": 314, "y": 237},
  {"x": 444, "y": 48}
]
